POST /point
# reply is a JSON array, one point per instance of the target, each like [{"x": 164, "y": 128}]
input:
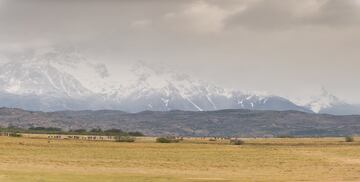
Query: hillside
[{"x": 190, "y": 123}]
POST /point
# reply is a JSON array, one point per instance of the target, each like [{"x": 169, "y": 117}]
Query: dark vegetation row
[
  {"x": 120, "y": 135},
  {"x": 52, "y": 130}
]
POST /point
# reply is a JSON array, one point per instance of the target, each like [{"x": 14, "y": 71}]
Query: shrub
[
  {"x": 48, "y": 129},
  {"x": 115, "y": 131},
  {"x": 135, "y": 133},
  {"x": 79, "y": 131},
  {"x": 96, "y": 130},
  {"x": 125, "y": 139},
  {"x": 167, "y": 140},
  {"x": 212, "y": 139},
  {"x": 236, "y": 142},
  {"x": 285, "y": 136},
  {"x": 349, "y": 139},
  {"x": 15, "y": 135}
]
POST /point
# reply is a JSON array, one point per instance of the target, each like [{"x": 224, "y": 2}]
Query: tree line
[{"x": 54, "y": 130}]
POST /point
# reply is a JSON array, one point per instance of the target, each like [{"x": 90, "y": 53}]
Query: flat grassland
[{"x": 292, "y": 159}]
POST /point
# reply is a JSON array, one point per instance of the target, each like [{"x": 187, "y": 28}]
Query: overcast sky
[{"x": 286, "y": 47}]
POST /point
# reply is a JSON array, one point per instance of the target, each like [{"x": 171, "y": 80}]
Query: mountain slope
[{"x": 33, "y": 78}]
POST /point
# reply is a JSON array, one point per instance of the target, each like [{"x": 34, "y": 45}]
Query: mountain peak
[{"x": 324, "y": 100}]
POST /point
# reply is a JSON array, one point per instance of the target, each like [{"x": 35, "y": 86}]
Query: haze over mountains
[{"x": 63, "y": 79}]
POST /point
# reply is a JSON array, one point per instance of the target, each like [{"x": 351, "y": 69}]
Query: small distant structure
[{"x": 54, "y": 137}]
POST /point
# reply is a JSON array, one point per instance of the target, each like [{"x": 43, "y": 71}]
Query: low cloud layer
[{"x": 278, "y": 14}]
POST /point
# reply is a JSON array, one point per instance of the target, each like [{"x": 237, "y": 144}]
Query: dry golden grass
[{"x": 312, "y": 159}]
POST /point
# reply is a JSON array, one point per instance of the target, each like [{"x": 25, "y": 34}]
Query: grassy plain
[{"x": 193, "y": 160}]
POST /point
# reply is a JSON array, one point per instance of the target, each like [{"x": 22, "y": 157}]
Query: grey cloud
[
  {"x": 76, "y": 20},
  {"x": 204, "y": 38},
  {"x": 337, "y": 12},
  {"x": 279, "y": 14}
]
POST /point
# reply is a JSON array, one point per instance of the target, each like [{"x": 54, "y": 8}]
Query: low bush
[
  {"x": 45, "y": 129},
  {"x": 79, "y": 131},
  {"x": 285, "y": 136},
  {"x": 349, "y": 139},
  {"x": 135, "y": 133},
  {"x": 236, "y": 142},
  {"x": 167, "y": 140},
  {"x": 125, "y": 139},
  {"x": 15, "y": 135}
]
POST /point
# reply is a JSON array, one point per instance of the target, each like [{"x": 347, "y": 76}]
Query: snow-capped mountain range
[{"x": 63, "y": 79}]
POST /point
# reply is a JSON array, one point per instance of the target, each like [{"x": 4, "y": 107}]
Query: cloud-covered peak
[{"x": 278, "y": 14}]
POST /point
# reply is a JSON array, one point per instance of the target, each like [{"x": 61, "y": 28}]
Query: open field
[{"x": 314, "y": 159}]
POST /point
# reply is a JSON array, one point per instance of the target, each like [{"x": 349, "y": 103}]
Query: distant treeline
[{"x": 53, "y": 130}]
